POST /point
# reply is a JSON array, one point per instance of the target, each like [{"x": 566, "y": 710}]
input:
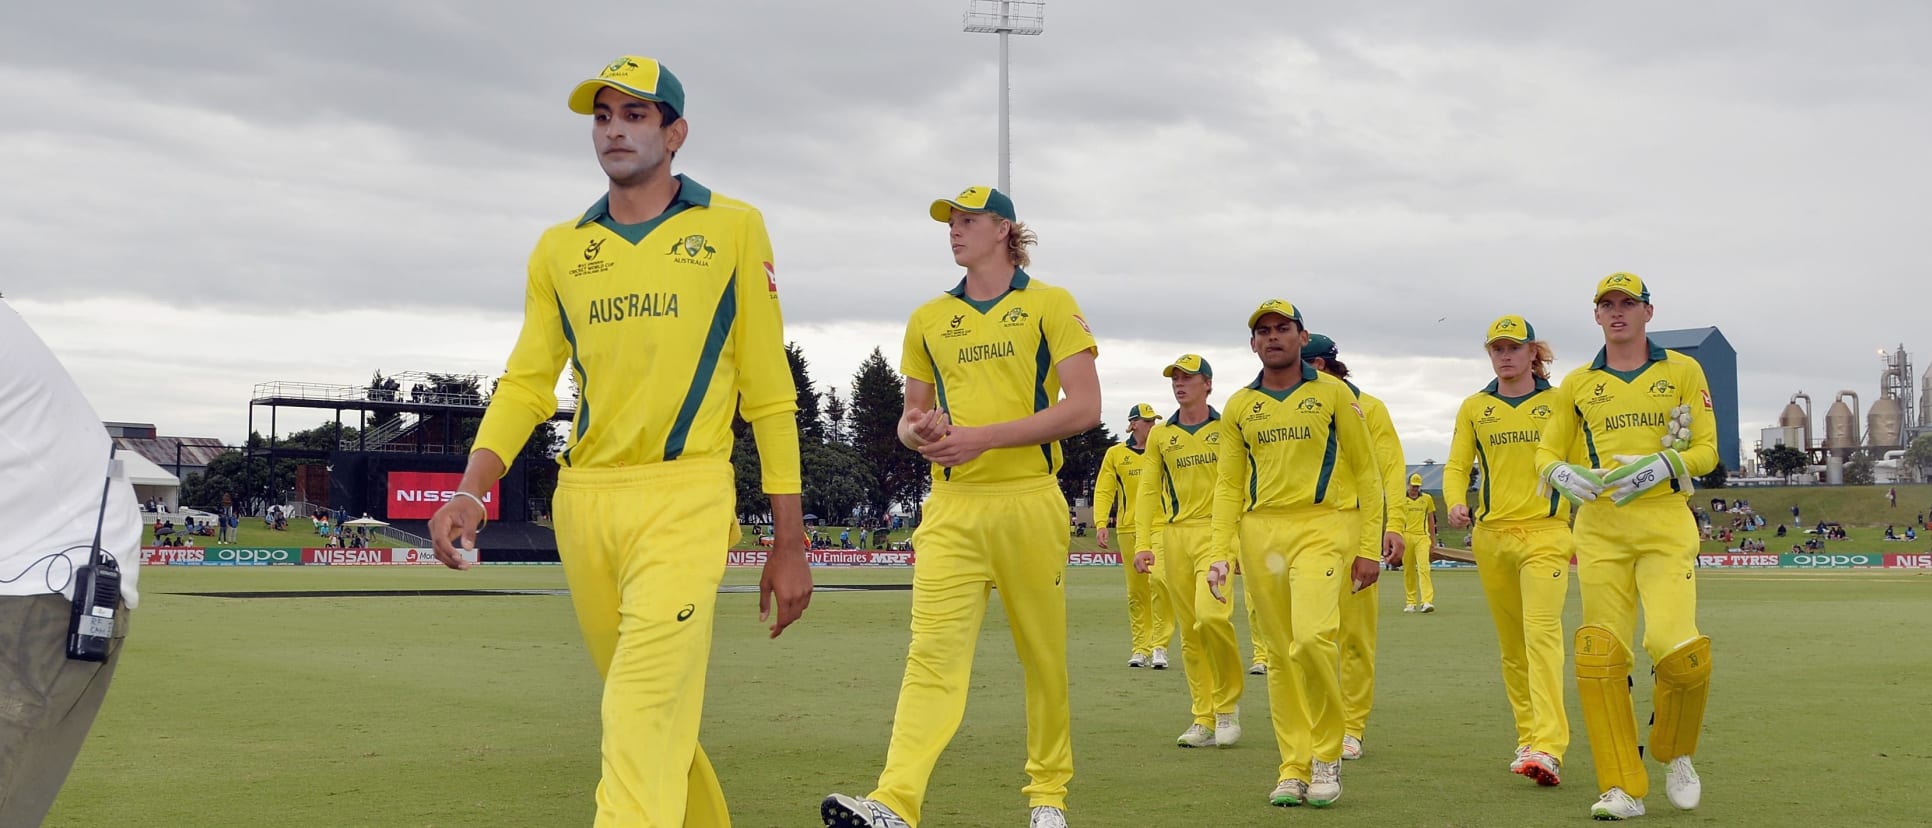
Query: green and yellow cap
[
  {"x": 1415, "y": 480},
  {"x": 1280, "y": 306},
  {"x": 1319, "y": 345},
  {"x": 1626, "y": 283},
  {"x": 976, "y": 199},
  {"x": 1141, "y": 411},
  {"x": 1511, "y": 327},
  {"x": 1189, "y": 364},
  {"x": 638, "y": 77}
]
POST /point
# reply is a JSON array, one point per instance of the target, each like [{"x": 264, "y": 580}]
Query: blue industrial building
[{"x": 1711, "y": 350}]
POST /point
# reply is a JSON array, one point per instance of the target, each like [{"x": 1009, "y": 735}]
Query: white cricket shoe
[
  {"x": 1325, "y": 784},
  {"x": 841, "y": 811},
  {"x": 1615, "y": 804},
  {"x": 1258, "y": 669},
  {"x": 1681, "y": 785},
  {"x": 1227, "y": 728},
  {"x": 1288, "y": 793},
  {"x": 1426, "y": 607},
  {"x": 1138, "y": 659},
  {"x": 1408, "y": 608},
  {"x": 1197, "y": 736},
  {"x": 1159, "y": 661},
  {"x": 1543, "y": 768},
  {"x": 1522, "y": 753},
  {"x": 1047, "y": 816},
  {"x": 1351, "y": 748}
]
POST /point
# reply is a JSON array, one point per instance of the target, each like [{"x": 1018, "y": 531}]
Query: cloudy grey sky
[{"x": 198, "y": 196}]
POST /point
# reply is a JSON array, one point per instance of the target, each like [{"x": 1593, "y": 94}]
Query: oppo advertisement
[{"x": 417, "y": 495}]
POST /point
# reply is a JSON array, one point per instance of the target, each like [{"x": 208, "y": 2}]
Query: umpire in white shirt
[{"x": 53, "y": 461}]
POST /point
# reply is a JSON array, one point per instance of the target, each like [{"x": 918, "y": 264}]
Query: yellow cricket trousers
[
  {"x": 1257, "y": 640},
  {"x": 643, "y": 550},
  {"x": 1525, "y": 570},
  {"x": 976, "y": 537},
  {"x": 1645, "y": 551},
  {"x": 1209, "y": 653},
  {"x": 1360, "y": 617},
  {"x": 1297, "y": 563},
  {"x": 1418, "y": 585},
  {"x": 1147, "y": 618}
]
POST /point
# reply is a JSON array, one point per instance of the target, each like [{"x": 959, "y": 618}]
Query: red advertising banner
[
  {"x": 1735, "y": 559},
  {"x": 376, "y": 557},
  {"x": 417, "y": 495},
  {"x": 1909, "y": 561}
]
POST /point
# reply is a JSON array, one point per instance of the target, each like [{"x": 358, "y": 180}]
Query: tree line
[{"x": 854, "y": 469}]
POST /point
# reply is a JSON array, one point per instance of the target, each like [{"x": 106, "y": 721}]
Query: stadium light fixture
[{"x": 1004, "y": 18}]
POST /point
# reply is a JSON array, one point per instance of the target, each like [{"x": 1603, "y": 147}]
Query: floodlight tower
[{"x": 1005, "y": 17}]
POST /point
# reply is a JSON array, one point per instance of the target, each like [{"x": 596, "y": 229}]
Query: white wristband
[{"x": 479, "y": 504}]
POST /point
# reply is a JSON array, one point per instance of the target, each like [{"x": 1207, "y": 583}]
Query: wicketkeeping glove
[
  {"x": 1575, "y": 483},
  {"x": 1640, "y": 473}
]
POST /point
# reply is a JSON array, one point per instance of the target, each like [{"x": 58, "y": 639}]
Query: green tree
[
  {"x": 383, "y": 389},
  {"x": 811, "y": 426},
  {"x": 1783, "y": 461},
  {"x": 1717, "y": 479},
  {"x": 837, "y": 481},
  {"x": 753, "y": 505},
  {"x": 1083, "y": 453},
  {"x": 878, "y": 398},
  {"x": 1858, "y": 472},
  {"x": 835, "y": 417},
  {"x": 1918, "y": 455}
]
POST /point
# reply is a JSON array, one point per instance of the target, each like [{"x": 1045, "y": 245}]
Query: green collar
[
  {"x": 1176, "y": 420},
  {"x": 1494, "y": 386},
  {"x": 1308, "y": 374},
  {"x": 1020, "y": 281},
  {"x": 1657, "y": 354},
  {"x": 690, "y": 194}
]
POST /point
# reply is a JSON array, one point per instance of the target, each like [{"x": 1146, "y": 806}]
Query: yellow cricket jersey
[
  {"x": 1413, "y": 513},
  {"x": 1178, "y": 485},
  {"x": 1628, "y": 412},
  {"x": 1388, "y": 452},
  {"x": 1499, "y": 435},
  {"x": 1285, "y": 449},
  {"x": 1118, "y": 485},
  {"x": 669, "y": 326},
  {"x": 995, "y": 362}
]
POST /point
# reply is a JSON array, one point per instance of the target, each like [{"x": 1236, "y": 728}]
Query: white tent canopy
[{"x": 151, "y": 482}]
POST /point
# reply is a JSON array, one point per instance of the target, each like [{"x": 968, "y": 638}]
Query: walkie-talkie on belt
[{"x": 97, "y": 590}]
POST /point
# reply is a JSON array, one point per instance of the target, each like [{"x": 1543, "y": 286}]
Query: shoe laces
[
  {"x": 1327, "y": 772},
  {"x": 1681, "y": 768}
]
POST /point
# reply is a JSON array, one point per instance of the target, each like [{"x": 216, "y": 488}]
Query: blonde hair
[
  {"x": 1018, "y": 239},
  {"x": 1540, "y": 358}
]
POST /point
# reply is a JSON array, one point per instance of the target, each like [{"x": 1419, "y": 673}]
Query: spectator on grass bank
[
  {"x": 1892, "y": 496},
  {"x": 52, "y": 471}
]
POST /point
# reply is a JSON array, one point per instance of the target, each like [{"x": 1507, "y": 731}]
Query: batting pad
[
  {"x": 1603, "y": 689},
  {"x": 1683, "y": 683}
]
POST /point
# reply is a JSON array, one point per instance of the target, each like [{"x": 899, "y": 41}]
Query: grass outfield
[{"x": 461, "y": 711}]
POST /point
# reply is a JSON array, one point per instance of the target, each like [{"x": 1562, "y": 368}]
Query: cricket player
[
  {"x": 1645, "y": 414},
  {"x": 985, "y": 366},
  {"x": 1116, "y": 491},
  {"x": 1289, "y": 435},
  {"x": 1416, "y": 514},
  {"x": 661, "y": 299},
  {"x": 1361, "y": 610},
  {"x": 1177, "y": 505},
  {"x": 1521, "y": 537}
]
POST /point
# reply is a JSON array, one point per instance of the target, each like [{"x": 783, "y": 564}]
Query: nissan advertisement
[{"x": 417, "y": 495}]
